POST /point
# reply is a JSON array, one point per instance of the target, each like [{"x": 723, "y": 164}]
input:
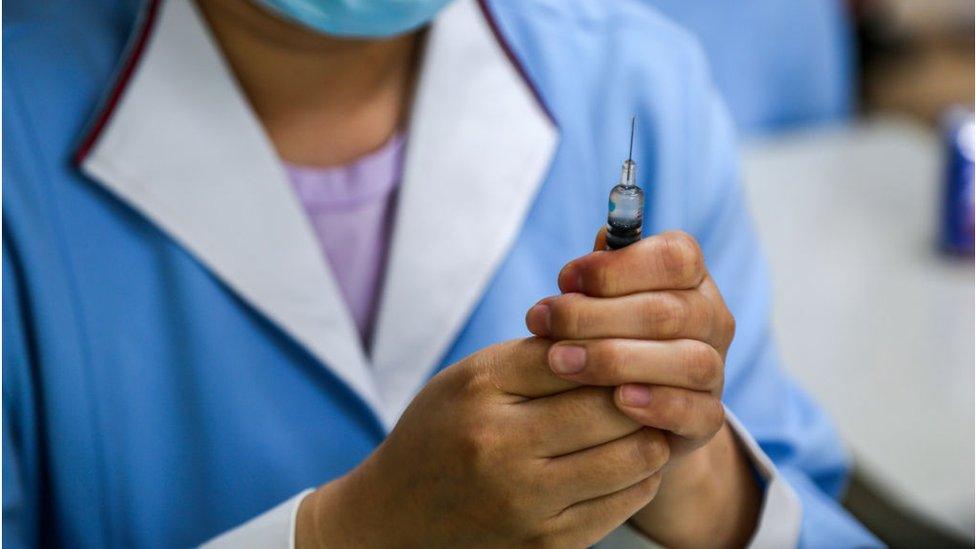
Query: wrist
[
  {"x": 666, "y": 518},
  {"x": 311, "y": 521},
  {"x": 332, "y": 516},
  {"x": 709, "y": 498}
]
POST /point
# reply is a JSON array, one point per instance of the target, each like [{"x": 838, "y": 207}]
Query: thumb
[{"x": 521, "y": 367}]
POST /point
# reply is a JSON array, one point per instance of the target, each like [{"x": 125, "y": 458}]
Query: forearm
[{"x": 710, "y": 498}]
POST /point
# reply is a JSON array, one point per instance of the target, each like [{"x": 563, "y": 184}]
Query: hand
[
  {"x": 650, "y": 320},
  {"x": 492, "y": 453}
]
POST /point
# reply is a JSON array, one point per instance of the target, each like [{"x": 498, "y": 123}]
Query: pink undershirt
[{"x": 350, "y": 208}]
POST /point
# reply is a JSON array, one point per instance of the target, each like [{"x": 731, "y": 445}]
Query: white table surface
[{"x": 869, "y": 316}]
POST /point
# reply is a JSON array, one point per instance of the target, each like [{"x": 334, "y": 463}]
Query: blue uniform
[{"x": 150, "y": 399}]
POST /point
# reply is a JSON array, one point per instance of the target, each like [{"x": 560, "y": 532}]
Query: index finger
[{"x": 668, "y": 261}]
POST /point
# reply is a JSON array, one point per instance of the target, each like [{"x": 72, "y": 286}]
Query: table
[{"x": 869, "y": 316}]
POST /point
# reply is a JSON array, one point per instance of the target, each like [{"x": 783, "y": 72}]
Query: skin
[
  {"x": 323, "y": 101},
  {"x": 508, "y": 466},
  {"x": 653, "y": 323},
  {"x": 530, "y": 453}
]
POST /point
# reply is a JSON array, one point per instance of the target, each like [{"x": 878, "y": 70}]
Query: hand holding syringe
[{"x": 644, "y": 317}]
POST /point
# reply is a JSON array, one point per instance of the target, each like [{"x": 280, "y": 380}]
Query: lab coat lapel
[
  {"x": 478, "y": 148},
  {"x": 178, "y": 141}
]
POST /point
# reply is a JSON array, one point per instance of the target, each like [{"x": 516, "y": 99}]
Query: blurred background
[{"x": 857, "y": 126}]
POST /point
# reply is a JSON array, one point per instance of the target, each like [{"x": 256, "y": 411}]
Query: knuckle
[
  {"x": 568, "y": 315},
  {"x": 682, "y": 257},
  {"x": 477, "y": 377},
  {"x": 699, "y": 374},
  {"x": 476, "y": 445},
  {"x": 704, "y": 312},
  {"x": 703, "y": 365},
  {"x": 717, "y": 414},
  {"x": 609, "y": 358},
  {"x": 460, "y": 379},
  {"x": 665, "y": 314},
  {"x": 561, "y": 315},
  {"x": 727, "y": 320},
  {"x": 598, "y": 279},
  {"x": 472, "y": 438}
]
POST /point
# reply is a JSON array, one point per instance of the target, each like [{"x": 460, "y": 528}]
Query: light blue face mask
[{"x": 357, "y": 18}]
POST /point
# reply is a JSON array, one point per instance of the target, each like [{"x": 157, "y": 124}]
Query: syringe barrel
[{"x": 625, "y": 216}]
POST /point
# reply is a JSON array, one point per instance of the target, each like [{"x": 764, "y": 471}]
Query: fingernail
[
  {"x": 537, "y": 320},
  {"x": 635, "y": 395},
  {"x": 570, "y": 280},
  {"x": 567, "y": 359}
]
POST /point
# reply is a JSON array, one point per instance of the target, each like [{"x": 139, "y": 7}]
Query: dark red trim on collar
[
  {"x": 133, "y": 54},
  {"x": 513, "y": 58}
]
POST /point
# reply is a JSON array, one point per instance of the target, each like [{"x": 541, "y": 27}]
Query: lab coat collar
[{"x": 178, "y": 141}]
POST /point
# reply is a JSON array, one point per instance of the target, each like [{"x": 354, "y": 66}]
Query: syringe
[{"x": 625, "y": 217}]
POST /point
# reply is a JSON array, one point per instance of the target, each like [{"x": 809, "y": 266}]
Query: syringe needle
[{"x": 630, "y": 155}]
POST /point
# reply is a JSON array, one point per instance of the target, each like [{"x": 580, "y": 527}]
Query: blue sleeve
[
  {"x": 20, "y": 476},
  {"x": 788, "y": 425}
]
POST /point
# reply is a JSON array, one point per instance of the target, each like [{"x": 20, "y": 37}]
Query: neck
[{"x": 323, "y": 100}]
